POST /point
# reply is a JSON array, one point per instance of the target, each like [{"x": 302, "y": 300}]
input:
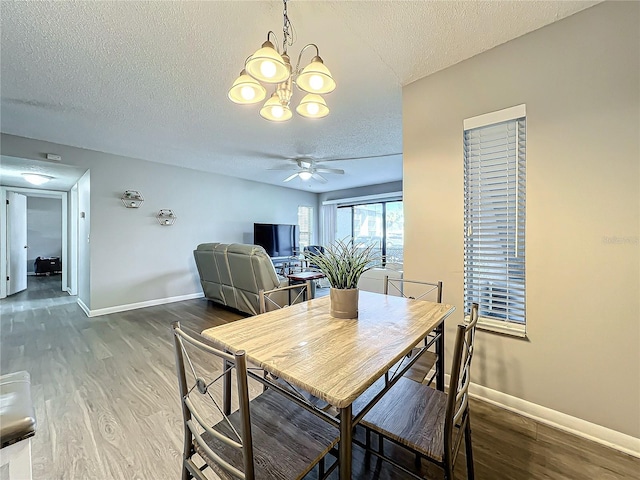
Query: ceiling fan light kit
[{"x": 268, "y": 66}]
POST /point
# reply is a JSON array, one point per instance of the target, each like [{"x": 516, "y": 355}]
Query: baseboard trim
[
  {"x": 577, "y": 426},
  {"x": 134, "y": 306},
  {"x": 84, "y": 308}
]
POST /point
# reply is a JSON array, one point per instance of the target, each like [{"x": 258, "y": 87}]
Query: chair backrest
[
  {"x": 283, "y": 297},
  {"x": 316, "y": 250},
  {"x": 414, "y": 289},
  {"x": 457, "y": 410},
  {"x": 197, "y": 394}
]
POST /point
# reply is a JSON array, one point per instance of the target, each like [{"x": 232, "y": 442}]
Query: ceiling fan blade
[
  {"x": 261, "y": 154},
  {"x": 319, "y": 177},
  {"x": 358, "y": 158},
  {"x": 338, "y": 171},
  {"x": 284, "y": 167},
  {"x": 290, "y": 177}
]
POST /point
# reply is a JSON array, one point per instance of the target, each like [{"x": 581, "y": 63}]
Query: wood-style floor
[{"x": 107, "y": 404}]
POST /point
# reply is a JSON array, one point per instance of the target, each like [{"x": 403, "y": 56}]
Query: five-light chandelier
[{"x": 268, "y": 66}]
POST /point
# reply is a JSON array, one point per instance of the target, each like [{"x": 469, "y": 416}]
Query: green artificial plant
[{"x": 344, "y": 261}]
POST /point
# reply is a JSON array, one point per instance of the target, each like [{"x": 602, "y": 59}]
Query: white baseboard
[
  {"x": 84, "y": 308},
  {"x": 134, "y": 306},
  {"x": 582, "y": 428}
]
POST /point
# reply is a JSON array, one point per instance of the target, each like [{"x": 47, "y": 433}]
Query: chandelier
[{"x": 270, "y": 67}]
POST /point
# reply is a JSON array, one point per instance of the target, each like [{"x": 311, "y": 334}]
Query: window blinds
[{"x": 494, "y": 219}]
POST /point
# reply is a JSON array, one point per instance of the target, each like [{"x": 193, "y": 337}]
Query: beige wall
[{"x": 579, "y": 79}]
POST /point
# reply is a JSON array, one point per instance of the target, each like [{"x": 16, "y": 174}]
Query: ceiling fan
[{"x": 307, "y": 167}]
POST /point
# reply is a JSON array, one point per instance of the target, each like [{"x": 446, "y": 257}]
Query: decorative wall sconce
[
  {"x": 132, "y": 199},
  {"x": 166, "y": 217}
]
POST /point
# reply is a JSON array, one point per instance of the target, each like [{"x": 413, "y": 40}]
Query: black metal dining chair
[
  {"x": 266, "y": 438},
  {"x": 430, "y": 423}
]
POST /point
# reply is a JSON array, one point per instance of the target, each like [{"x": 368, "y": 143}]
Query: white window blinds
[
  {"x": 305, "y": 222},
  {"x": 494, "y": 218}
]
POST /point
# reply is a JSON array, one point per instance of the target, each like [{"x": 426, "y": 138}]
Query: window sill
[{"x": 503, "y": 328}]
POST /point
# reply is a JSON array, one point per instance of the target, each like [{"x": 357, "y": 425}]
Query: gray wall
[
  {"x": 579, "y": 79},
  {"x": 133, "y": 258},
  {"x": 44, "y": 229}
]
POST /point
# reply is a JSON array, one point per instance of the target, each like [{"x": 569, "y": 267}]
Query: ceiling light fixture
[
  {"x": 36, "y": 178},
  {"x": 268, "y": 66}
]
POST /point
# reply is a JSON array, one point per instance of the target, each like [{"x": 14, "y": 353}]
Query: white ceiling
[
  {"x": 63, "y": 176},
  {"x": 150, "y": 79}
]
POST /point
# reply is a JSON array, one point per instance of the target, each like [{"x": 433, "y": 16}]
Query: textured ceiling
[
  {"x": 63, "y": 176},
  {"x": 149, "y": 79}
]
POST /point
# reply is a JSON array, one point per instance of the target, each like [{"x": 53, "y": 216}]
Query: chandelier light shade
[
  {"x": 269, "y": 66},
  {"x": 246, "y": 90},
  {"x": 304, "y": 175},
  {"x": 316, "y": 78},
  {"x": 275, "y": 111},
  {"x": 313, "y": 106}
]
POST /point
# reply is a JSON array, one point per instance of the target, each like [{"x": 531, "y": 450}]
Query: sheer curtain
[{"x": 328, "y": 216}]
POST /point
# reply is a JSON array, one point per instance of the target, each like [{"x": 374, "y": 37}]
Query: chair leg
[
  {"x": 186, "y": 475},
  {"x": 468, "y": 449}
]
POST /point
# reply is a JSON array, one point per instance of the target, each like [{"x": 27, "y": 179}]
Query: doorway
[{"x": 44, "y": 214}]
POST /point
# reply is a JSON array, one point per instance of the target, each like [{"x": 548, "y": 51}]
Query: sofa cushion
[{"x": 233, "y": 274}]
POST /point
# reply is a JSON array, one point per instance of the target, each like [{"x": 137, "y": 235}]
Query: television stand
[{"x": 287, "y": 265}]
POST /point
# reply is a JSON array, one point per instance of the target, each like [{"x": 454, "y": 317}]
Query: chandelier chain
[{"x": 287, "y": 29}]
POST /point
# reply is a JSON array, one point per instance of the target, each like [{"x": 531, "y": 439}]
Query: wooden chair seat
[
  {"x": 419, "y": 370},
  {"x": 282, "y": 449},
  {"x": 417, "y": 374},
  {"x": 411, "y": 414},
  {"x": 268, "y": 437}
]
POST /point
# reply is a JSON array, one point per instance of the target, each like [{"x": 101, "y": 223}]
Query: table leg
[
  {"x": 345, "y": 447},
  {"x": 440, "y": 360}
]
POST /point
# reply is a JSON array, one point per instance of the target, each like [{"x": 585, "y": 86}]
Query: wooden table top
[
  {"x": 302, "y": 276},
  {"x": 333, "y": 359}
]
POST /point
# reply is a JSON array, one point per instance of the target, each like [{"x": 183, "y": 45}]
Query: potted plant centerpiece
[{"x": 343, "y": 262}]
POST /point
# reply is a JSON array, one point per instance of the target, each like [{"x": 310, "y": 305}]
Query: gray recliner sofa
[{"x": 232, "y": 274}]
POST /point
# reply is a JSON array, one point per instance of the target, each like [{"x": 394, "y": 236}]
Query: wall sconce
[
  {"x": 132, "y": 199},
  {"x": 166, "y": 217}
]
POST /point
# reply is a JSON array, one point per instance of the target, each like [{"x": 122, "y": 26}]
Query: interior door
[{"x": 16, "y": 242}]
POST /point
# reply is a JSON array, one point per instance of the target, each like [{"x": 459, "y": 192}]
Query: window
[
  {"x": 494, "y": 219},
  {"x": 380, "y": 223},
  {"x": 305, "y": 222}
]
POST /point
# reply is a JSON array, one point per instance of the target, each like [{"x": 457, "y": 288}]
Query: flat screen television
[{"x": 277, "y": 239}]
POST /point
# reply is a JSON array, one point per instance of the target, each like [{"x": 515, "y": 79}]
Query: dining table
[{"x": 337, "y": 360}]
